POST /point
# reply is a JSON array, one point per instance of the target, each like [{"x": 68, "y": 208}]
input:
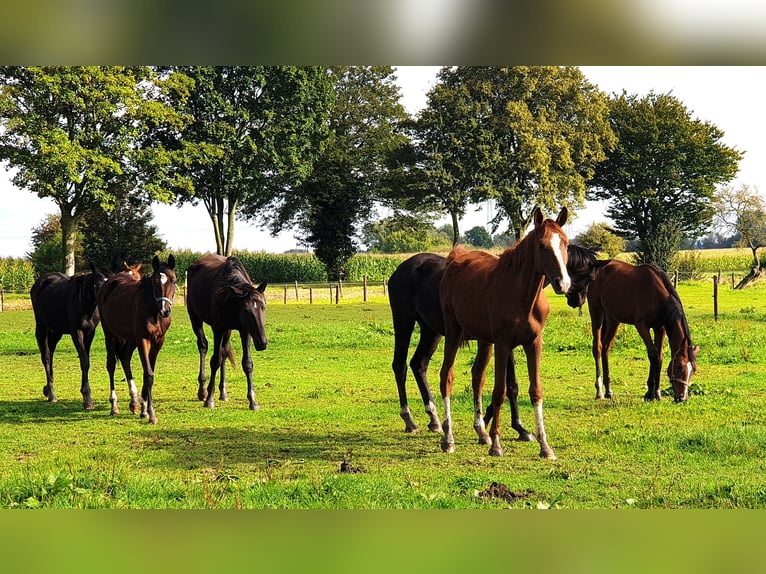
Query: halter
[{"x": 161, "y": 299}]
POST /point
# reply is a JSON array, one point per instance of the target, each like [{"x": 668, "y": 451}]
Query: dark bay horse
[
  {"x": 61, "y": 305},
  {"x": 221, "y": 294},
  {"x": 136, "y": 315},
  {"x": 413, "y": 293},
  {"x": 643, "y": 296},
  {"x": 500, "y": 300}
]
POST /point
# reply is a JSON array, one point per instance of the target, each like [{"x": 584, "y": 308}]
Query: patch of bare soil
[{"x": 502, "y": 492}]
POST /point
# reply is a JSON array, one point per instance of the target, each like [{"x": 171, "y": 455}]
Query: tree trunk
[
  {"x": 232, "y": 211},
  {"x": 68, "y": 228},
  {"x": 455, "y": 229},
  {"x": 756, "y": 262}
]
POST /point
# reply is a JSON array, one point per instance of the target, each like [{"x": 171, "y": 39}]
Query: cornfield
[{"x": 16, "y": 274}]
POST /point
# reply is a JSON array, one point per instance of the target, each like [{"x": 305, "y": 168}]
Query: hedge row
[{"x": 301, "y": 267}]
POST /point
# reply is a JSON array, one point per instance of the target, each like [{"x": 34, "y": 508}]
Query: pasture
[{"x": 328, "y": 433}]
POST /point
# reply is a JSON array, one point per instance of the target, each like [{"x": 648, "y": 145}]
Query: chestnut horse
[
  {"x": 413, "y": 293},
  {"x": 221, "y": 294},
  {"x": 500, "y": 300},
  {"x": 136, "y": 315},
  {"x": 133, "y": 270},
  {"x": 642, "y": 295},
  {"x": 61, "y": 305}
]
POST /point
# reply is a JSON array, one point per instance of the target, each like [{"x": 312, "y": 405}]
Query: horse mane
[
  {"x": 674, "y": 309},
  {"x": 234, "y": 275},
  {"x": 580, "y": 257}
]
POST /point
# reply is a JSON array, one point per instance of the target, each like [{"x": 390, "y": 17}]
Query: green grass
[{"x": 327, "y": 395}]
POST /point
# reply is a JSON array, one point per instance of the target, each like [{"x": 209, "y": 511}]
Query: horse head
[
  {"x": 251, "y": 305},
  {"x": 582, "y": 266},
  {"x": 163, "y": 282},
  {"x": 680, "y": 370},
  {"x": 551, "y": 249},
  {"x": 133, "y": 270},
  {"x": 90, "y": 284}
]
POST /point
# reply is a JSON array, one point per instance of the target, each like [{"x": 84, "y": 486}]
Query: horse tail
[{"x": 230, "y": 354}]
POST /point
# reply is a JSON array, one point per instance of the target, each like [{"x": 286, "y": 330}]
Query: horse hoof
[
  {"x": 88, "y": 406},
  {"x": 496, "y": 452},
  {"x": 45, "y": 390},
  {"x": 209, "y": 405},
  {"x": 484, "y": 438},
  {"x": 202, "y": 394},
  {"x": 435, "y": 427},
  {"x": 525, "y": 437},
  {"x": 255, "y": 407},
  {"x": 115, "y": 411},
  {"x": 448, "y": 447},
  {"x": 133, "y": 407},
  {"x": 152, "y": 420},
  {"x": 547, "y": 454}
]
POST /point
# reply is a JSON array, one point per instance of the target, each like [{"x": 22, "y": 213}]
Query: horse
[
  {"x": 133, "y": 270},
  {"x": 643, "y": 296},
  {"x": 136, "y": 315},
  {"x": 500, "y": 300},
  {"x": 413, "y": 294},
  {"x": 221, "y": 294},
  {"x": 61, "y": 305}
]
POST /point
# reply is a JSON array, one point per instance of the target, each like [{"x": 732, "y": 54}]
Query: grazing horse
[
  {"x": 221, "y": 294},
  {"x": 61, "y": 305},
  {"x": 413, "y": 293},
  {"x": 136, "y": 315},
  {"x": 640, "y": 295},
  {"x": 500, "y": 300}
]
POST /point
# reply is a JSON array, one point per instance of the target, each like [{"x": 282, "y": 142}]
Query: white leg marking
[
  {"x": 539, "y": 424},
  {"x": 132, "y": 388}
]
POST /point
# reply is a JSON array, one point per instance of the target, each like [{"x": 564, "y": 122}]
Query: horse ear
[
  {"x": 537, "y": 216},
  {"x": 171, "y": 261},
  {"x": 262, "y": 287},
  {"x": 156, "y": 263},
  {"x": 563, "y": 215}
]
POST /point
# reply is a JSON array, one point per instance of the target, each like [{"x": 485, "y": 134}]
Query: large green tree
[
  {"x": 252, "y": 132},
  {"x": 522, "y": 136},
  {"x": 352, "y": 173},
  {"x": 661, "y": 177},
  {"x": 78, "y": 136}
]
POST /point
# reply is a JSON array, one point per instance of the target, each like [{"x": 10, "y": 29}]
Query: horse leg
[
  {"x": 478, "y": 374},
  {"x": 111, "y": 363},
  {"x": 226, "y": 352},
  {"x": 215, "y": 363},
  {"x": 429, "y": 341},
  {"x": 82, "y": 341},
  {"x": 512, "y": 390},
  {"x": 534, "y": 352},
  {"x": 403, "y": 328},
  {"x": 608, "y": 333},
  {"x": 447, "y": 379},
  {"x": 125, "y": 354},
  {"x": 247, "y": 367},
  {"x": 46, "y": 342},
  {"x": 199, "y": 331},
  {"x": 595, "y": 325},
  {"x": 659, "y": 341},
  {"x": 148, "y": 353},
  {"x": 653, "y": 381},
  {"x": 502, "y": 357}
]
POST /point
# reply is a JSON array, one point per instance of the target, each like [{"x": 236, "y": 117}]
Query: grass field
[{"x": 327, "y": 395}]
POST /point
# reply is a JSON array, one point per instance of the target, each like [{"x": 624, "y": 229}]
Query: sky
[{"x": 729, "y": 97}]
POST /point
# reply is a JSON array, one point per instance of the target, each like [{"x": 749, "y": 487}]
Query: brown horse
[
  {"x": 221, "y": 294},
  {"x": 136, "y": 315},
  {"x": 61, "y": 305},
  {"x": 642, "y": 296},
  {"x": 500, "y": 300},
  {"x": 413, "y": 293},
  {"x": 133, "y": 270}
]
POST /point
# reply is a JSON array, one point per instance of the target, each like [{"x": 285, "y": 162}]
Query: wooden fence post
[
  {"x": 715, "y": 297},
  {"x": 732, "y": 280},
  {"x": 285, "y": 296},
  {"x": 365, "y": 288},
  {"x": 186, "y": 287},
  {"x": 311, "y": 295},
  {"x": 296, "y": 289},
  {"x": 675, "y": 279},
  {"x": 2, "y": 299},
  {"x": 384, "y": 287},
  {"x": 337, "y": 292}
]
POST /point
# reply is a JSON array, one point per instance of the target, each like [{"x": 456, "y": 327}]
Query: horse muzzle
[
  {"x": 680, "y": 391},
  {"x": 561, "y": 285}
]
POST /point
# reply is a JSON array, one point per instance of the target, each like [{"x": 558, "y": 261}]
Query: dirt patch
[
  {"x": 502, "y": 492},
  {"x": 347, "y": 467}
]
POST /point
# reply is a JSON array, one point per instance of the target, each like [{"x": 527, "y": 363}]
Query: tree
[
  {"x": 661, "y": 177},
  {"x": 478, "y": 236},
  {"x": 351, "y": 174},
  {"x": 124, "y": 233},
  {"x": 77, "y": 135},
  {"x": 253, "y": 131},
  {"x": 601, "y": 238},
  {"x": 523, "y": 136},
  {"x": 403, "y": 234},
  {"x": 742, "y": 212},
  {"x": 47, "y": 250}
]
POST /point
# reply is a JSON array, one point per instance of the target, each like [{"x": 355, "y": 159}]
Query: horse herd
[{"x": 498, "y": 301}]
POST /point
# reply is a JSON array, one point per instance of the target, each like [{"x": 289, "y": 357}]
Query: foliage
[
  {"x": 742, "y": 211},
  {"x": 16, "y": 274},
  {"x": 77, "y": 135},
  {"x": 403, "y": 234},
  {"x": 661, "y": 177},
  {"x": 253, "y": 131},
  {"x": 478, "y": 236},
  {"x": 122, "y": 234},
  {"x": 47, "y": 251},
  {"x": 351, "y": 173},
  {"x": 601, "y": 238},
  {"x": 523, "y": 136}
]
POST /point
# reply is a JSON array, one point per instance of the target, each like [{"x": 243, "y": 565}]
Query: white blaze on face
[
  {"x": 556, "y": 246},
  {"x": 689, "y": 370},
  {"x": 163, "y": 278}
]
